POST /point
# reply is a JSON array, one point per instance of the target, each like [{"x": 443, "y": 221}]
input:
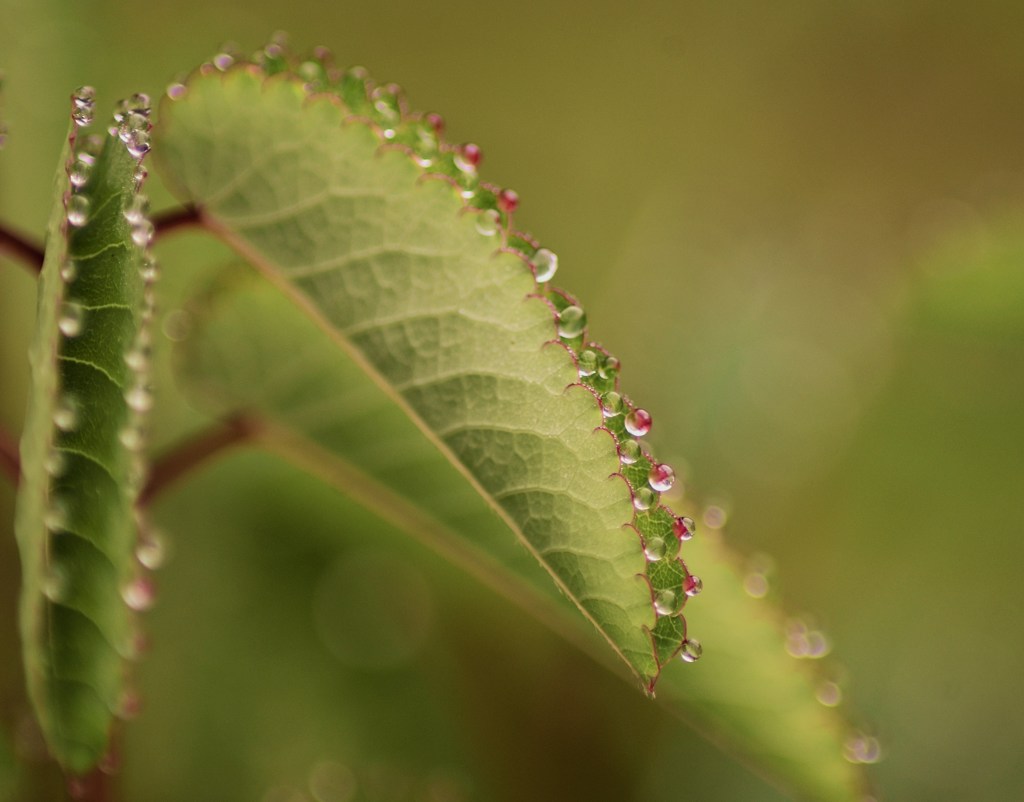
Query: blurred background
[{"x": 799, "y": 225}]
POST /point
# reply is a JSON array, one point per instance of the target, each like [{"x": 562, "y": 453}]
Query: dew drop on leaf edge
[
  {"x": 629, "y": 451},
  {"x": 665, "y": 602},
  {"x": 545, "y": 265},
  {"x": 71, "y": 319},
  {"x": 683, "y": 528},
  {"x": 78, "y": 210},
  {"x": 654, "y": 548},
  {"x": 661, "y": 477},
  {"x": 571, "y": 322},
  {"x": 638, "y": 422},
  {"x": 691, "y": 651}
]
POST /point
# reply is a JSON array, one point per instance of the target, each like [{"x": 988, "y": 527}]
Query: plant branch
[
  {"x": 21, "y": 248},
  {"x": 195, "y": 451},
  {"x": 91, "y": 787},
  {"x": 171, "y": 220},
  {"x": 10, "y": 463}
]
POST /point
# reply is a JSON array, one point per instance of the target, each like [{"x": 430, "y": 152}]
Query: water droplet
[
  {"x": 684, "y": 528},
  {"x": 661, "y": 477},
  {"x": 149, "y": 269},
  {"x": 571, "y": 322},
  {"x": 223, "y": 60},
  {"x": 644, "y": 498},
  {"x": 137, "y": 209},
  {"x": 138, "y": 103},
  {"x": 142, "y": 233},
  {"x": 78, "y": 210},
  {"x": 56, "y": 462},
  {"x": 756, "y": 585},
  {"x": 654, "y": 548},
  {"x": 487, "y": 222},
  {"x": 629, "y": 451},
  {"x": 139, "y": 594},
  {"x": 468, "y": 157},
  {"x": 692, "y": 585},
  {"x": 132, "y": 437},
  {"x": 435, "y": 121},
  {"x": 83, "y": 102},
  {"x": 151, "y": 550},
  {"x": 72, "y": 319},
  {"x": 69, "y": 271},
  {"x": 508, "y": 201},
  {"x": 691, "y": 651},
  {"x": 55, "y": 519},
  {"x": 665, "y": 602},
  {"x": 817, "y": 644},
  {"x": 129, "y": 122},
  {"x": 638, "y": 422},
  {"x": 139, "y": 177},
  {"x": 55, "y": 584},
  {"x": 80, "y": 170},
  {"x": 609, "y": 368},
  {"x": 715, "y": 517},
  {"x": 829, "y": 694},
  {"x": 586, "y": 363},
  {"x": 804, "y": 642},
  {"x": 66, "y": 413},
  {"x": 177, "y": 325},
  {"x": 611, "y": 404},
  {"x": 129, "y": 706},
  {"x": 137, "y": 358},
  {"x": 312, "y": 72},
  {"x": 335, "y": 782},
  {"x": 137, "y": 143},
  {"x": 387, "y": 102},
  {"x": 545, "y": 265},
  {"x": 176, "y": 90},
  {"x": 862, "y": 748},
  {"x": 139, "y": 398}
]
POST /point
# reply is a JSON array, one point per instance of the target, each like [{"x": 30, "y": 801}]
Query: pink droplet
[
  {"x": 139, "y": 594},
  {"x": 692, "y": 585},
  {"x": 683, "y": 528},
  {"x": 435, "y": 121},
  {"x": 471, "y": 154},
  {"x": 508, "y": 200},
  {"x": 638, "y": 422},
  {"x": 130, "y": 705},
  {"x": 661, "y": 477}
]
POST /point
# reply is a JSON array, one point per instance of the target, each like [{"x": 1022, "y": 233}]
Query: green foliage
[
  {"x": 80, "y": 453},
  {"x": 397, "y": 337},
  {"x": 328, "y": 417}
]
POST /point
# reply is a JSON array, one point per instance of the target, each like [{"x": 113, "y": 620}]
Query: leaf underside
[
  {"x": 409, "y": 344},
  {"x": 438, "y": 304},
  {"x": 76, "y": 526},
  {"x": 250, "y": 346}
]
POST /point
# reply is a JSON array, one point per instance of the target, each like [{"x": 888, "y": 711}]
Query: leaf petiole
[
  {"x": 21, "y": 248},
  {"x": 10, "y": 463},
  {"x": 185, "y": 457}
]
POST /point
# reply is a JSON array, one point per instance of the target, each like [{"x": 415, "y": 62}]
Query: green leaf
[
  {"x": 80, "y": 450},
  {"x": 250, "y": 347},
  {"x": 438, "y": 304}
]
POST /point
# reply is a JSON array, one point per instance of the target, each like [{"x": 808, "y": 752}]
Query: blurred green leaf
[{"x": 327, "y": 416}]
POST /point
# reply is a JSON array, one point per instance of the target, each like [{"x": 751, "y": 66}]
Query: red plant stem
[
  {"x": 10, "y": 463},
  {"x": 22, "y": 248},
  {"x": 171, "y": 220},
  {"x": 188, "y": 456},
  {"x": 91, "y": 787}
]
